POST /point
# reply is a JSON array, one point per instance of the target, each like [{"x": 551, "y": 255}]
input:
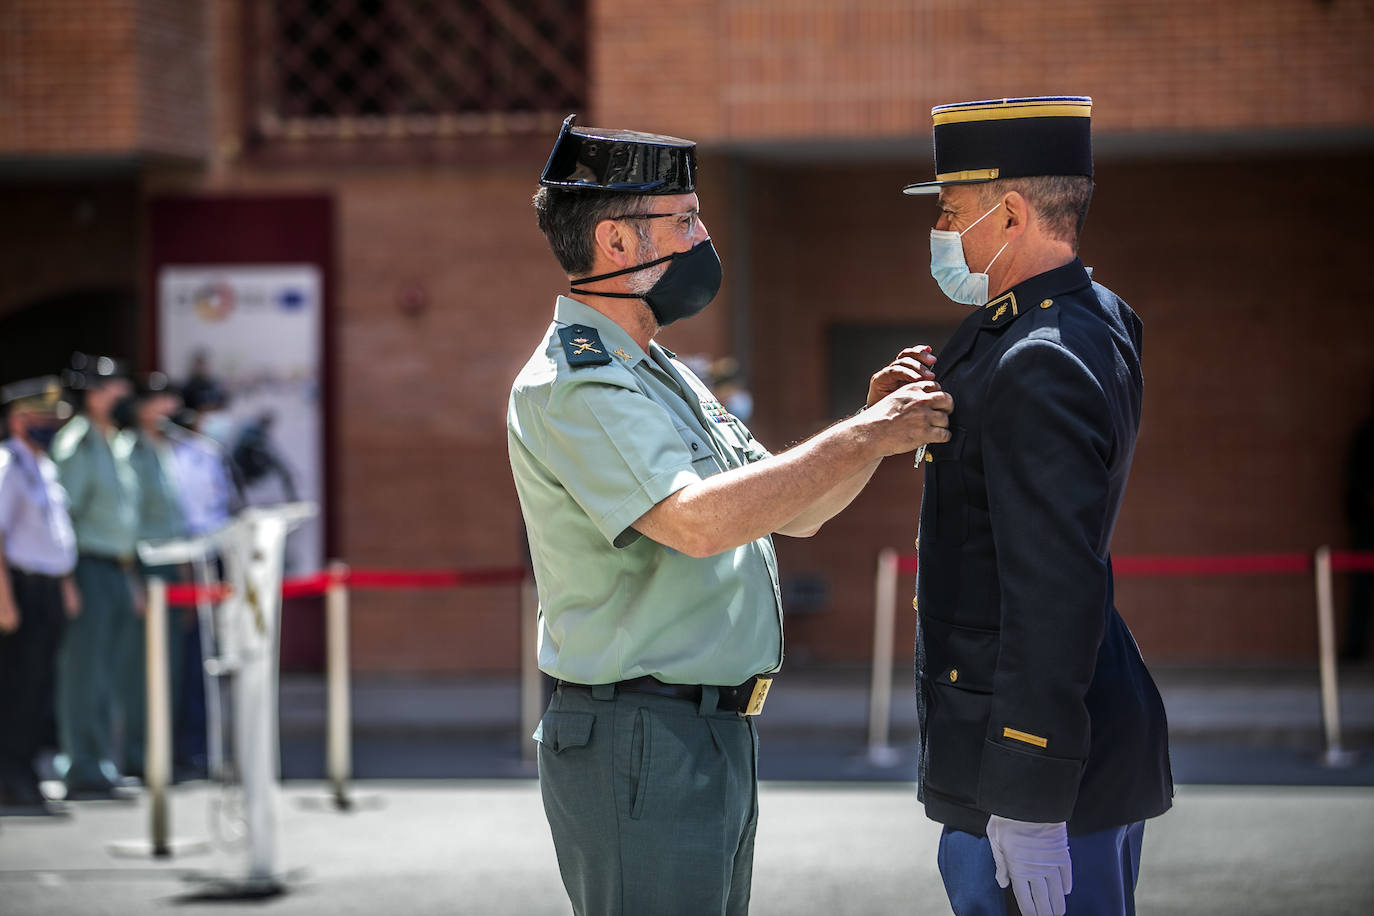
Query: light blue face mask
[{"x": 950, "y": 270}]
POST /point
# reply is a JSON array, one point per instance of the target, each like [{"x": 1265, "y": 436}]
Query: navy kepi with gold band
[
  {"x": 598, "y": 159},
  {"x": 1010, "y": 138}
]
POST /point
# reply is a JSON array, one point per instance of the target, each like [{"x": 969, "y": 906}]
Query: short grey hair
[
  {"x": 1060, "y": 201},
  {"x": 568, "y": 220}
]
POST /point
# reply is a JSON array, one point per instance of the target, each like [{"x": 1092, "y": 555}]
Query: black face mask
[
  {"x": 686, "y": 287},
  {"x": 41, "y": 436},
  {"x": 123, "y": 414}
]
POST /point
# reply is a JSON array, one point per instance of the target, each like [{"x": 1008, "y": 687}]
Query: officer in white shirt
[{"x": 37, "y": 592}]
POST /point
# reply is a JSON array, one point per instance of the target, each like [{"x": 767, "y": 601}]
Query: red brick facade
[
  {"x": 104, "y": 77},
  {"x": 738, "y": 70},
  {"x": 1258, "y": 357}
]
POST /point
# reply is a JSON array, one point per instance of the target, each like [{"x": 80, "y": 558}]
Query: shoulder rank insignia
[{"x": 583, "y": 346}]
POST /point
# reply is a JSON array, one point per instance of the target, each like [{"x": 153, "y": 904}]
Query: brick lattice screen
[{"x": 350, "y": 69}]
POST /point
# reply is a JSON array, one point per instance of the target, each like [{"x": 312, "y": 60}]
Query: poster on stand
[{"x": 255, "y": 331}]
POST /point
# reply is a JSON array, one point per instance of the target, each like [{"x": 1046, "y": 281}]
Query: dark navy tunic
[{"x": 1033, "y": 699}]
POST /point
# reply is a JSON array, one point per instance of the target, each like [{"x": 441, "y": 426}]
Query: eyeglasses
[{"x": 688, "y": 220}]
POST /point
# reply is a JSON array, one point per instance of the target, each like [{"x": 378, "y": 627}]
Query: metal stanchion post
[
  {"x": 157, "y": 765},
  {"x": 336, "y": 661},
  {"x": 531, "y": 696},
  {"x": 1335, "y": 755},
  {"x": 880, "y": 750},
  {"x": 158, "y": 752}
]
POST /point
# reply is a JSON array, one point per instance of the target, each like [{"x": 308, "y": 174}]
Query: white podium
[{"x": 246, "y": 652}]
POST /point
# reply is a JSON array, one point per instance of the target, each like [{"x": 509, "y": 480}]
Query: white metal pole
[
  {"x": 339, "y": 745},
  {"x": 880, "y": 750},
  {"x": 158, "y": 752},
  {"x": 531, "y": 695},
  {"x": 1326, "y": 646},
  {"x": 209, "y": 643}
]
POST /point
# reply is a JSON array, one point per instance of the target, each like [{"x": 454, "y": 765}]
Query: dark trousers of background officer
[
  {"x": 652, "y": 801},
  {"x": 189, "y": 738},
  {"x": 28, "y": 658},
  {"x": 86, "y": 664},
  {"x": 131, "y": 672}
]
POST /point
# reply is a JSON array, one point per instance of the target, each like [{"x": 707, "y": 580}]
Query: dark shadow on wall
[{"x": 39, "y": 338}]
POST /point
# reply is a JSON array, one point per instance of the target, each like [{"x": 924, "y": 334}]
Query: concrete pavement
[
  {"x": 1259, "y": 827},
  {"x": 837, "y": 849}
]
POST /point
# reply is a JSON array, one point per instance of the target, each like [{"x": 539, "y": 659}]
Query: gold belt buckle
[{"x": 761, "y": 685}]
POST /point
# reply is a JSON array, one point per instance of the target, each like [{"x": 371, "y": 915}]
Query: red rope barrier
[
  {"x": 318, "y": 583},
  {"x": 1352, "y": 561},
  {"x": 439, "y": 578},
  {"x": 1238, "y": 564},
  {"x": 1216, "y": 565},
  {"x": 183, "y": 595}
]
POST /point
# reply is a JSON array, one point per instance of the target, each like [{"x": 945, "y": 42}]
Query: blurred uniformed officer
[
  {"x": 102, "y": 490},
  {"x": 1043, "y": 740},
  {"x": 37, "y": 554},
  {"x": 160, "y": 518},
  {"x": 649, "y": 509}
]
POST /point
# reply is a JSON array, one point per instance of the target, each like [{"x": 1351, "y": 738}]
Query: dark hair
[
  {"x": 568, "y": 220},
  {"x": 1060, "y": 201}
]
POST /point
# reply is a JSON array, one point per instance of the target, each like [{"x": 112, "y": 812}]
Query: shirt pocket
[
  {"x": 704, "y": 459},
  {"x": 741, "y": 441}
]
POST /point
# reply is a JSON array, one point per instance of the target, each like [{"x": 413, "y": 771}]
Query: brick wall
[
  {"x": 82, "y": 77},
  {"x": 756, "y": 69}
]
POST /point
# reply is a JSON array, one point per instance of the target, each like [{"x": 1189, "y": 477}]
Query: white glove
[{"x": 1034, "y": 860}]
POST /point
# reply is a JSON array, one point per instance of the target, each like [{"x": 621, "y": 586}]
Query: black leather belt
[
  {"x": 20, "y": 572},
  {"x": 746, "y": 698}
]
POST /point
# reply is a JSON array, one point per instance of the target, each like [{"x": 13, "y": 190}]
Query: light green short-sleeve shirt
[
  {"x": 592, "y": 449},
  {"x": 102, "y": 488}
]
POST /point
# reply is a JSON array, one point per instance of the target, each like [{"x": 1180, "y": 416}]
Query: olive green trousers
[{"x": 652, "y": 802}]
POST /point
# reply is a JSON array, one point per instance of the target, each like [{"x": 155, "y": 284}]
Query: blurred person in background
[
  {"x": 210, "y": 496},
  {"x": 37, "y": 592},
  {"x": 650, "y": 511},
  {"x": 102, "y": 493},
  {"x": 200, "y": 386},
  {"x": 1044, "y": 746},
  {"x": 727, "y": 381},
  {"x": 160, "y": 518},
  {"x": 256, "y": 457},
  {"x": 1359, "y": 505}
]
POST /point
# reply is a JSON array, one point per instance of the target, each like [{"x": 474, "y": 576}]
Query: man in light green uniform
[
  {"x": 102, "y": 491},
  {"x": 160, "y": 518},
  {"x": 649, "y": 510}
]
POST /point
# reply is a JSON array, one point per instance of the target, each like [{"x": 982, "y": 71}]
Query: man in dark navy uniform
[{"x": 1043, "y": 738}]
